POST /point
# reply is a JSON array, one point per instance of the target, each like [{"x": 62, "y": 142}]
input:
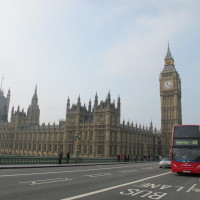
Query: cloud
[{"x": 137, "y": 50}]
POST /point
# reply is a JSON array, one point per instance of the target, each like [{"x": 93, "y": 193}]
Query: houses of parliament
[{"x": 99, "y": 127}]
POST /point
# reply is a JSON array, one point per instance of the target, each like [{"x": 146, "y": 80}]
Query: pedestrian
[
  {"x": 118, "y": 157},
  {"x": 121, "y": 157},
  {"x": 157, "y": 158},
  {"x": 59, "y": 158},
  {"x": 68, "y": 157},
  {"x": 61, "y": 153},
  {"x": 124, "y": 157},
  {"x": 135, "y": 158}
]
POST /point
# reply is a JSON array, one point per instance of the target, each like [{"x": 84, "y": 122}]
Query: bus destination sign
[{"x": 186, "y": 142}]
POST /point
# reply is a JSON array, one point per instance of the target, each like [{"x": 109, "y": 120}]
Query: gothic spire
[
  {"x": 169, "y": 55},
  {"x": 96, "y": 100},
  {"x": 90, "y": 106},
  {"x": 169, "y": 61},
  {"x": 79, "y": 99},
  {"x": 79, "y": 102},
  {"x": 36, "y": 89},
  {"x": 35, "y": 98},
  {"x": 68, "y": 103},
  {"x": 33, "y": 112},
  {"x": 8, "y": 95},
  {"x": 118, "y": 104},
  {"x": 108, "y": 98},
  {"x": 1, "y": 90},
  {"x": 151, "y": 126}
]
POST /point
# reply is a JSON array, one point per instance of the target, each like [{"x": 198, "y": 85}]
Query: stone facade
[
  {"x": 103, "y": 135},
  {"x": 170, "y": 96},
  {"x": 4, "y": 106},
  {"x": 99, "y": 127},
  {"x": 23, "y": 135}
]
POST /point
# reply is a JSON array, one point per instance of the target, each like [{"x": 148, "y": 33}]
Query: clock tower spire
[{"x": 170, "y": 97}]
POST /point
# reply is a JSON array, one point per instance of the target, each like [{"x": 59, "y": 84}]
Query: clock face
[{"x": 168, "y": 84}]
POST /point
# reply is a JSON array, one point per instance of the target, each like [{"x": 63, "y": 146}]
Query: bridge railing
[{"x": 25, "y": 160}]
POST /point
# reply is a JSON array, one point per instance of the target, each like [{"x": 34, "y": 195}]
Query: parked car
[{"x": 165, "y": 162}]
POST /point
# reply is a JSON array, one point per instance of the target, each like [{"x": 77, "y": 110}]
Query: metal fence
[{"x": 20, "y": 160}]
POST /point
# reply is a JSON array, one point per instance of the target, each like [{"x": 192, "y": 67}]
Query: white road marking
[
  {"x": 83, "y": 170},
  {"x": 191, "y": 188},
  {"x": 37, "y": 182},
  {"x": 180, "y": 188},
  {"x": 127, "y": 171},
  {"x": 150, "y": 167},
  {"x": 96, "y": 175},
  {"x": 114, "y": 187}
]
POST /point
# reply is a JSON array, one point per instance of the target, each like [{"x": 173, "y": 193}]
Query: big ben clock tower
[{"x": 170, "y": 96}]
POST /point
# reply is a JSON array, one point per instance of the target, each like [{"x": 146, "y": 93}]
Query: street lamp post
[
  {"x": 145, "y": 149},
  {"x": 77, "y": 140}
]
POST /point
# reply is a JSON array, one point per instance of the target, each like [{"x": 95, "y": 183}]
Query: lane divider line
[
  {"x": 113, "y": 187},
  {"x": 40, "y": 173}
]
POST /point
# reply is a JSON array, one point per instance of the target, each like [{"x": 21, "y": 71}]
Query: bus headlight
[{"x": 174, "y": 165}]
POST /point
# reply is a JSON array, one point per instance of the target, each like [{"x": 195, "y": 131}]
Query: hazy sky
[{"x": 80, "y": 47}]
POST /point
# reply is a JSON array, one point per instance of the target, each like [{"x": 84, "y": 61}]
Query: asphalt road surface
[{"x": 99, "y": 182}]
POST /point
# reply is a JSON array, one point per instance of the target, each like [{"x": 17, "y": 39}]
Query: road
[{"x": 99, "y": 182}]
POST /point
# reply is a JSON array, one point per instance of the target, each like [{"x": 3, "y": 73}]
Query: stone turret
[
  {"x": 89, "y": 106},
  {"x": 33, "y": 113},
  {"x": 95, "y": 102},
  {"x": 68, "y": 104},
  {"x": 18, "y": 117},
  {"x": 108, "y": 101},
  {"x": 4, "y": 106}
]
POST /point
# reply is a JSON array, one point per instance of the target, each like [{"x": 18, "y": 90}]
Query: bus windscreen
[{"x": 186, "y": 155}]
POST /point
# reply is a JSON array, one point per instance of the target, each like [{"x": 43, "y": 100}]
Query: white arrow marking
[
  {"x": 127, "y": 171},
  {"x": 37, "y": 182},
  {"x": 96, "y": 175}
]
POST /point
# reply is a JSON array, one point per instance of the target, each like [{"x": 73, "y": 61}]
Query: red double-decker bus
[{"x": 185, "y": 149}]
